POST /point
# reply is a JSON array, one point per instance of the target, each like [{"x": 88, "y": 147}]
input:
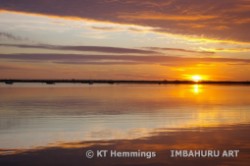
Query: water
[{"x": 37, "y": 117}]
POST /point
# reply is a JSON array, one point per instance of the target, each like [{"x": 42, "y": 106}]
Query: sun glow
[{"x": 196, "y": 78}]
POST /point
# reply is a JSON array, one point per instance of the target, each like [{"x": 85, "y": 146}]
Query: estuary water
[{"x": 62, "y": 119}]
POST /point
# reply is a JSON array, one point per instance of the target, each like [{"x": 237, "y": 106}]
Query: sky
[{"x": 125, "y": 39}]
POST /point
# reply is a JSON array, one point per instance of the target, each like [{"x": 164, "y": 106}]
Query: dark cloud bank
[
  {"x": 116, "y": 59},
  {"x": 224, "y": 19}
]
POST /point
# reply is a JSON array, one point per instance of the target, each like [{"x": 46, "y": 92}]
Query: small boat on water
[{"x": 9, "y": 82}]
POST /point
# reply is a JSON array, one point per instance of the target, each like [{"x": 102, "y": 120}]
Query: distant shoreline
[{"x": 83, "y": 81}]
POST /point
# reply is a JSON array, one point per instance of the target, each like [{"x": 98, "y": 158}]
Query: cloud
[
  {"x": 10, "y": 36},
  {"x": 117, "y": 59},
  {"x": 84, "y": 48},
  {"x": 145, "y": 50},
  {"x": 165, "y": 17},
  {"x": 224, "y": 19},
  {"x": 103, "y": 28},
  {"x": 181, "y": 50},
  {"x": 230, "y": 50},
  {"x": 6, "y": 67}
]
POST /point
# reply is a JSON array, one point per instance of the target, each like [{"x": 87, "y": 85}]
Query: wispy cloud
[
  {"x": 179, "y": 49},
  {"x": 10, "y": 36},
  {"x": 103, "y": 28},
  {"x": 230, "y": 50},
  {"x": 102, "y": 49},
  {"x": 165, "y": 17},
  {"x": 120, "y": 50}
]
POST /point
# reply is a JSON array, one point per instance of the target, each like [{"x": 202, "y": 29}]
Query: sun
[{"x": 196, "y": 78}]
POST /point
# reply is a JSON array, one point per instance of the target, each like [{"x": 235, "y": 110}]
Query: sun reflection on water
[{"x": 196, "y": 89}]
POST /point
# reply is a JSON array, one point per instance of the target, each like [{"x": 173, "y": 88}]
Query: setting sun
[{"x": 196, "y": 78}]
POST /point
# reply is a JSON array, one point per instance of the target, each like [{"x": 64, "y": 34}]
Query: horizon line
[{"x": 119, "y": 81}]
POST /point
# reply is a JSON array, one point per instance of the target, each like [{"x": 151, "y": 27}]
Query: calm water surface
[{"x": 37, "y": 117}]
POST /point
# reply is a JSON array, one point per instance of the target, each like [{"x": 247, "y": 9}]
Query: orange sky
[{"x": 125, "y": 39}]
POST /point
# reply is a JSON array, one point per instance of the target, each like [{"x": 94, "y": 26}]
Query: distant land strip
[{"x": 83, "y": 81}]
